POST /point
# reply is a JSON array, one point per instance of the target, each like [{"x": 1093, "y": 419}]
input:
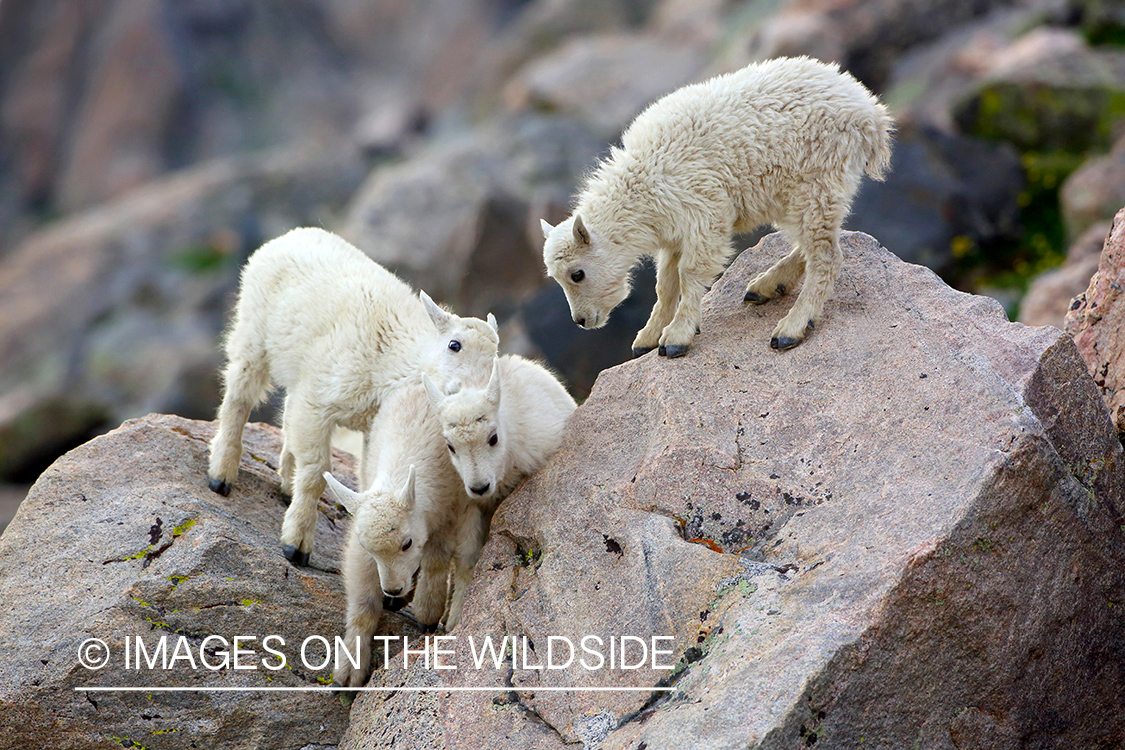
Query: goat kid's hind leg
[
  {"x": 819, "y": 240},
  {"x": 778, "y": 279},
  {"x": 246, "y": 385},
  {"x": 667, "y": 297},
  {"x": 695, "y": 279},
  {"x": 310, "y": 438}
]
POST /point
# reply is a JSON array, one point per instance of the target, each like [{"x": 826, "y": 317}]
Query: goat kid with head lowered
[
  {"x": 340, "y": 333},
  {"x": 783, "y": 142},
  {"x": 438, "y": 463}
]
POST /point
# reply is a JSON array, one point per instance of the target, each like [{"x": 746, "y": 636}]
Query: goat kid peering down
[
  {"x": 494, "y": 435},
  {"x": 783, "y": 142},
  {"x": 339, "y": 333},
  {"x": 501, "y": 433},
  {"x": 412, "y": 524}
]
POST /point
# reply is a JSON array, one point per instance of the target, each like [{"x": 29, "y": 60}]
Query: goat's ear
[
  {"x": 440, "y": 317},
  {"x": 349, "y": 498},
  {"x": 581, "y": 234},
  {"x": 408, "y": 490},
  {"x": 432, "y": 391},
  {"x": 494, "y": 383},
  {"x": 492, "y": 322},
  {"x": 546, "y": 228}
]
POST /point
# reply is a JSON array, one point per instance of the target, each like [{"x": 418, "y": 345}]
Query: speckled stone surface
[{"x": 905, "y": 532}]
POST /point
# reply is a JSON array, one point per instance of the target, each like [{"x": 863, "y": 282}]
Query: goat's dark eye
[
  {"x": 454, "y": 345},
  {"x": 492, "y": 440},
  {"x": 577, "y": 276},
  {"x": 406, "y": 544},
  {"x": 450, "y": 447}
]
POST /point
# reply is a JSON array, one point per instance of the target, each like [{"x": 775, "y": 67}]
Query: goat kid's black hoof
[
  {"x": 295, "y": 556},
  {"x": 662, "y": 351},
  {"x": 640, "y": 351},
  {"x": 781, "y": 343},
  {"x": 675, "y": 350},
  {"x": 219, "y": 486},
  {"x": 754, "y": 297},
  {"x": 428, "y": 629},
  {"x": 393, "y": 603}
]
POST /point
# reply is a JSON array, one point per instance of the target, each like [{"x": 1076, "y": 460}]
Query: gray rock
[
  {"x": 134, "y": 89},
  {"x": 461, "y": 219},
  {"x": 1048, "y": 91},
  {"x": 1051, "y": 293},
  {"x": 929, "y": 79},
  {"x": 867, "y": 38},
  {"x": 606, "y": 80},
  {"x": 1096, "y": 319},
  {"x": 1095, "y": 192},
  {"x": 537, "y": 28},
  {"x": 916, "y": 511},
  {"x": 122, "y": 538},
  {"x": 108, "y": 96}
]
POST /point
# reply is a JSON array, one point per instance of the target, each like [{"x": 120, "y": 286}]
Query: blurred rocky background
[{"x": 148, "y": 146}]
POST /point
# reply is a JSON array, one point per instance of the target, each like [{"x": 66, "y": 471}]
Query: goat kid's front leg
[
  {"x": 245, "y": 383},
  {"x": 667, "y": 297},
  {"x": 471, "y": 539},
  {"x": 430, "y": 594},
  {"x": 462, "y": 577},
  {"x": 363, "y": 620},
  {"x": 694, "y": 282},
  {"x": 365, "y": 609},
  {"x": 287, "y": 463}
]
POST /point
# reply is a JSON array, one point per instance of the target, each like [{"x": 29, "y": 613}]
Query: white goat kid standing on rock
[
  {"x": 465, "y": 451},
  {"x": 499, "y": 434},
  {"x": 412, "y": 524},
  {"x": 339, "y": 333},
  {"x": 783, "y": 142}
]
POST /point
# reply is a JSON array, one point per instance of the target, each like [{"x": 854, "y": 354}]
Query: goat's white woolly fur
[
  {"x": 783, "y": 142},
  {"x": 340, "y": 333}
]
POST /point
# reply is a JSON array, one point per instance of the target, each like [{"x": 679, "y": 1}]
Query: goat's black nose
[
  {"x": 393, "y": 592},
  {"x": 580, "y": 321},
  {"x": 480, "y": 489}
]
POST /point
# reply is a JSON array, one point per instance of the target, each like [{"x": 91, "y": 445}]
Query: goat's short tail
[{"x": 878, "y": 134}]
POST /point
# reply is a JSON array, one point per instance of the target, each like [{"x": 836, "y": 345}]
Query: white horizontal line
[{"x": 411, "y": 689}]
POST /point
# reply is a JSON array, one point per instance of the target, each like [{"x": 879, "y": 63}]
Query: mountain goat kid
[
  {"x": 476, "y": 442},
  {"x": 339, "y": 333},
  {"x": 412, "y": 524},
  {"x": 499, "y": 434},
  {"x": 783, "y": 142}
]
